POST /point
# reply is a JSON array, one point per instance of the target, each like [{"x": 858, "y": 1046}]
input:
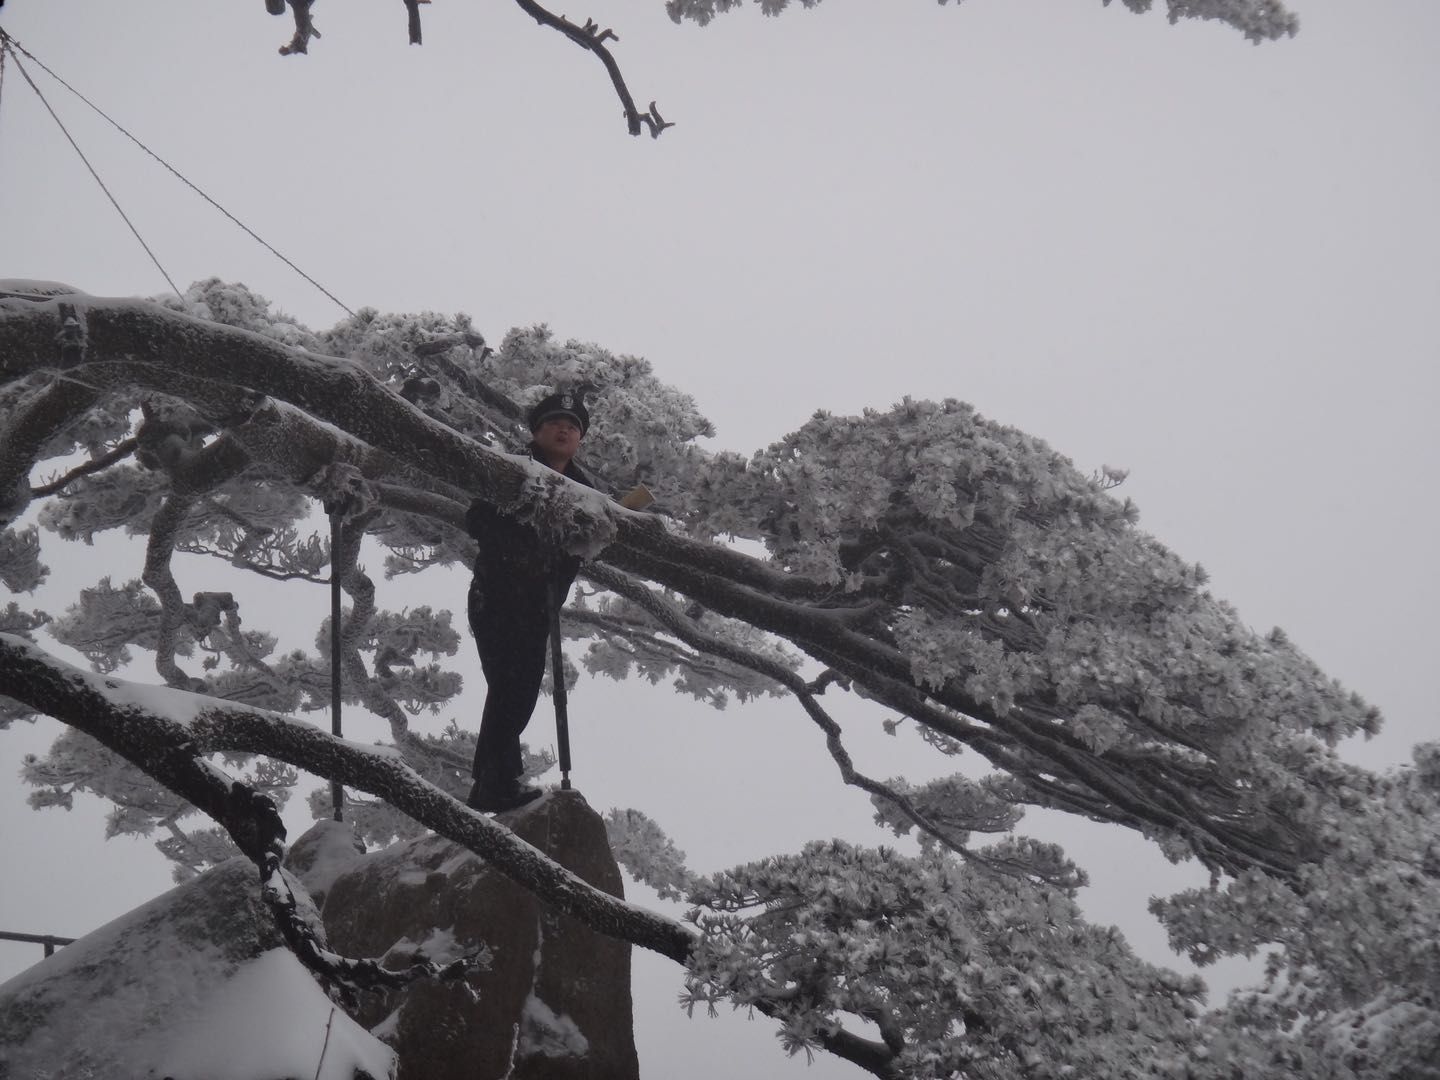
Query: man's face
[{"x": 558, "y": 438}]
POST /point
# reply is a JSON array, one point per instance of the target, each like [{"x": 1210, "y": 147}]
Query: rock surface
[
  {"x": 135, "y": 998},
  {"x": 555, "y": 1002},
  {"x": 196, "y": 984}
]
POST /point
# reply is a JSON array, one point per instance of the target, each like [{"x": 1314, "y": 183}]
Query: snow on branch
[
  {"x": 956, "y": 571},
  {"x": 1258, "y": 20},
  {"x": 168, "y": 733}
]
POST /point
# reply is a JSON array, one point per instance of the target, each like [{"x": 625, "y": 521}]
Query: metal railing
[{"x": 50, "y": 941}]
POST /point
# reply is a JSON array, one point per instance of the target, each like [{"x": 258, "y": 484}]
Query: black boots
[{"x": 493, "y": 797}]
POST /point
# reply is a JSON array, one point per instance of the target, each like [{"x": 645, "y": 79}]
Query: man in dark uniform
[{"x": 518, "y": 585}]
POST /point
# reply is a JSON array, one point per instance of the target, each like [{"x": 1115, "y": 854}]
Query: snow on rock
[
  {"x": 271, "y": 1020},
  {"x": 325, "y": 851},
  {"x": 553, "y": 1003},
  {"x": 543, "y": 1032},
  {"x": 195, "y": 963},
  {"x": 196, "y": 984},
  {"x": 100, "y": 1003}
]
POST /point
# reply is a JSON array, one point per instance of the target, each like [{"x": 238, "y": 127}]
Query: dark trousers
[{"x": 511, "y": 633}]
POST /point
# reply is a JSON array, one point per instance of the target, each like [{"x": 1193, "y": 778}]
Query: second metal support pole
[
  {"x": 337, "y": 790},
  {"x": 557, "y": 687}
]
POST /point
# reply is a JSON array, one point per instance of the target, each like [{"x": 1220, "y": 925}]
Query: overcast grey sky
[{"x": 1158, "y": 247}]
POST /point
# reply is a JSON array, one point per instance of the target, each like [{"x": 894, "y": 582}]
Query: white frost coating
[
  {"x": 407, "y": 781},
  {"x": 441, "y": 946},
  {"x": 388, "y": 1027},
  {"x": 542, "y": 1031},
  {"x": 306, "y": 419},
  {"x": 175, "y": 706},
  {"x": 455, "y": 862},
  {"x": 38, "y": 287},
  {"x": 331, "y": 852},
  {"x": 547, "y": 1034},
  {"x": 403, "y": 947},
  {"x": 580, "y": 518},
  {"x": 374, "y": 749},
  {"x": 109, "y": 938},
  {"x": 643, "y": 849},
  {"x": 271, "y": 1020}
]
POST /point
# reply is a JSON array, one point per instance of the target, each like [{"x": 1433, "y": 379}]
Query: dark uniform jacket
[{"x": 514, "y": 567}]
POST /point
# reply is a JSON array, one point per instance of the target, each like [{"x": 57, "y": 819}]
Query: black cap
[{"x": 563, "y": 404}]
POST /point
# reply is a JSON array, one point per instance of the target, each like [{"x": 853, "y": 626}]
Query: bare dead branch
[
  {"x": 304, "y": 28},
  {"x": 591, "y": 38}
]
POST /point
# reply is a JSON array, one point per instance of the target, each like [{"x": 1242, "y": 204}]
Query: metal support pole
[
  {"x": 557, "y": 681},
  {"x": 335, "y": 508}
]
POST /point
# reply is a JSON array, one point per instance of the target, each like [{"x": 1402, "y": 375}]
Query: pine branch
[
  {"x": 35, "y": 420},
  {"x": 119, "y": 452},
  {"x": 675, "y": 621},
  {"x": 249, "y": 566}
]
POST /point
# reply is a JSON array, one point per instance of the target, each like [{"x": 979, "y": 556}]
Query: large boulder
[
  {"x": 197, "y": 985},
  {"x": 194, "y": 985},
  {"x": 554, "y": 1002}
]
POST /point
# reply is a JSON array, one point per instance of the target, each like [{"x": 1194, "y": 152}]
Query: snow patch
[
  {"x": 38, "y": 287},
  {"x": 387, "y": 1028},
  {"x": 440, "y": 946},
  {"x": 271, "y": 1019},
  {"x": 544, "y": 1033},
  {"x": 330, "y": 850},
  {"x": 456, "y": 861},
  {"x": 176, "y": 706}
]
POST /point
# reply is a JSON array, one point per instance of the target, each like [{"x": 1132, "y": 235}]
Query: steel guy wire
[{"x": 16, "y": 46}]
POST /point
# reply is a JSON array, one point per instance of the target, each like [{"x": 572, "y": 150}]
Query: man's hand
[{"x": 637, "y": 498}]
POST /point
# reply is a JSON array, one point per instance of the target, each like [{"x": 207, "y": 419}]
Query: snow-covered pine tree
[{"x": 960, "y": 574}]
